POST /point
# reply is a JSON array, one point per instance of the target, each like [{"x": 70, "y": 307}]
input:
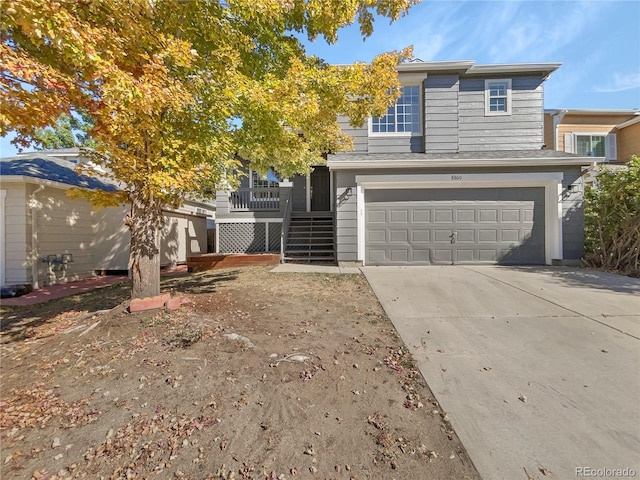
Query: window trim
[
  {"x": 403, "y": 134},
  {"x": 492, "y": 81},
  {"x": 575, "y": 136}
]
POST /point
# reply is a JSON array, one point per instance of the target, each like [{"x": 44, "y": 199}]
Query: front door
[{"x": 320, "y": 190}]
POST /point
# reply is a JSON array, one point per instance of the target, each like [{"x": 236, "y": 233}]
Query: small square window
[{"x": 497, "y": 97}]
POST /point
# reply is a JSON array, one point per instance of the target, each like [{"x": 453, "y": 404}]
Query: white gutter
[
  {"x": 635, "y": 119},
  {"x": 466, "y": 163},
  {"x": 508, "y": 68},
  {"x": 453, "y": 66},
  {"x": 592, "y": 111},
  {"x": 37, "y": 181},
  {"x": 557, "y": 118}
]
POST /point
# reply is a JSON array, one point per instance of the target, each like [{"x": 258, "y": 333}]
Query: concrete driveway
[{"x": 537, "y": 368}]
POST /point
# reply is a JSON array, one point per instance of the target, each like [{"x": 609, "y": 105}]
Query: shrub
[{"x": 612, "y": 220}]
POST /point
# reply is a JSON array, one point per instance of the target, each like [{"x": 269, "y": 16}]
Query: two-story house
[
  {"x": 612, "y": 134},
  {"x": 454, "y": 173}
]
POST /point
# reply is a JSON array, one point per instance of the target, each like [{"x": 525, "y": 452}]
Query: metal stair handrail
[{"x": 286, "y": 220}]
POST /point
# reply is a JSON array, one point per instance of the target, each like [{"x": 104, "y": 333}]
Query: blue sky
[{"x": 597, "y": 43}]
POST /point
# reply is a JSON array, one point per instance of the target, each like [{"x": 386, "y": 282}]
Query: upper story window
[
  {"x": 590, "y": 145},
  {"x": 497, "y": 96},
  {"x": 403, "y": 117}
]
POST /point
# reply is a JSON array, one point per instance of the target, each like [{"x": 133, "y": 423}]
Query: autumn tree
[
  {"x": 178, "y": 90},
  {"x": 69, "y": 131}
]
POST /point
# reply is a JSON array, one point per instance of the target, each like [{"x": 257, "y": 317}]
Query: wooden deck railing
[{"x": 261, "y": 199}]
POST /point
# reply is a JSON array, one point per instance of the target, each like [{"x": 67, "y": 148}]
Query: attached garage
[
  {"x": 425, "y": 226},
  {"x": 459, "y": 218}
]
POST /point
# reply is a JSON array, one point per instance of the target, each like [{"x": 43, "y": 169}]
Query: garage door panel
[
  {"x": 421, "y": 256},
  {"x": 442, "y": 236},
  {"x": 377, "y": 216},
  {"x": 420, "y": 236},
  {"x": 487, "y": 215},
  {"x": 465, "y": 236},
  {"x": 510, "y": 236},
  {"x": 396, "y": 236},
  {"x": 465, "y": 215},
  {"x": 499, "y": 225},
  {"x": 377, "y": 236},
  {"x": 398, "y": 216},
  {"x": 528, "y": 215},
  {"x": 487, "y": 235},
  {"x": 487, "y": 255},
  {"x": 465, "y": 256},
  {"x": 443, "y": 216},
  {"x": 400, "y": 255},
  {"x": 377, "y": 255},
  {"x": 527, "y": 233},
  {"x": 442, "y": 256},
  {"x": 420, "y": 216},
  {"x": 511, "y": 215}
]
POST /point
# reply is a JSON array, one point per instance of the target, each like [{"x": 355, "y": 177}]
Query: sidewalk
[
  {"x": 52, "y": 292},
  {"x": 300, "y": 268}
]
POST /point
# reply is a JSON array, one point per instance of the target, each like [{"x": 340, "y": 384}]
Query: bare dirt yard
[{"x": 262, "y": 376}]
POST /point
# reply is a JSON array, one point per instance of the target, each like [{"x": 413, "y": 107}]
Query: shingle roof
[{"x": 44, "y": 167}]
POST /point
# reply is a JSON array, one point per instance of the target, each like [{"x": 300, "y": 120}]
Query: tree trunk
[{"x": 145, "y": 221}]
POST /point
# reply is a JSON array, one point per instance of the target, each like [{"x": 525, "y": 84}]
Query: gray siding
[
  {"x": 346, "y": 218},
  {"x": 573, "y": 217},
  {"x": 395, "y": 144},
  {"x": 441, "y": 113},
  {"x": 359, "y": 134},
  {"x": 522, "y": 130}
]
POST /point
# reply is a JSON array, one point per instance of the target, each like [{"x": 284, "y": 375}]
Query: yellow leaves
[{"x": 178, "y": 88}]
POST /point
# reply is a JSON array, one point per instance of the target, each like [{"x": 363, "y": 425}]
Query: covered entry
[{"x": 450, "y": 226}]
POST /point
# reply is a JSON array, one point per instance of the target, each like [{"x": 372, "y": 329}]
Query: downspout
[
  {"x": 35, "y": 206},
  {"x": 557, "y": 118}
]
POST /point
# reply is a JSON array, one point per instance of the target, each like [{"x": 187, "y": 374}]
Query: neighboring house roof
[
  {"x": 463, "y": 159},
  {"x": 53, "y": 168},
  {"x": 45, "y": 167},
  {"x": 590, "y": 111},
  {"x": 630, "y": 122}
]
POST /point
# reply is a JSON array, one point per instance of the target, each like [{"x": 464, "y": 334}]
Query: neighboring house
[
  {"x": 454, "y": 173},
  {"x": 47, "y": 237},
  {"x": 612, "y": 134}
]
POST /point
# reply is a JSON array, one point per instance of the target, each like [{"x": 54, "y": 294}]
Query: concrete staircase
[{"x": 311, "y": 238}]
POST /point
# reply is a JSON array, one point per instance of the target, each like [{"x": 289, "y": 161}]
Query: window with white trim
[
  {"x": 497, "y": 95},
  {"x": 590, "y": 145},
  {"x": 262, "y": 185},
  {"x": 270, "y": 179},
  {"x": 403, "y": 117}
]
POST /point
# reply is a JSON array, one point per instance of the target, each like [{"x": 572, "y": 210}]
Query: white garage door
[{"x": 452, "y": 226}]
